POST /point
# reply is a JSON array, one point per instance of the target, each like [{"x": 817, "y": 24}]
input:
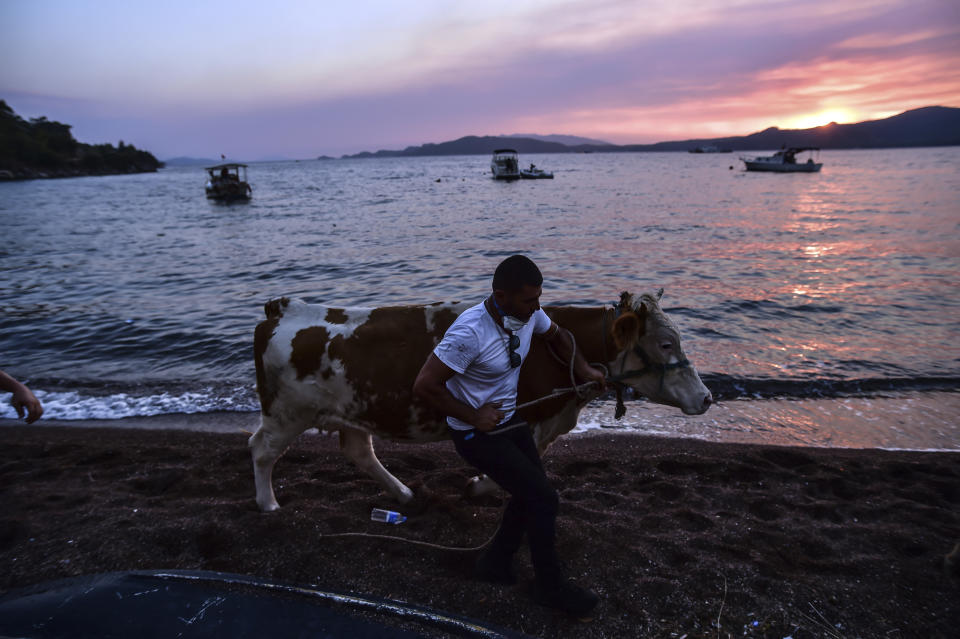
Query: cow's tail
[
  {"x": 274, "y": 308},
  {"x": 266, "y": 384}
]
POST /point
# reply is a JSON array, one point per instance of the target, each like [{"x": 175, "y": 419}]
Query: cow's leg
[
  {"x": 358, "y": 447},
  {"x": 546, "y": 432},
  {"x": 266, "y": 445}
]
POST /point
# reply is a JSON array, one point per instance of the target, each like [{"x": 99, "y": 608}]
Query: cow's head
[{"x": 650, "y": 357}]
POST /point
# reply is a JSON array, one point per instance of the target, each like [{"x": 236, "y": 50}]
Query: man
[
  {"x": 23, "y": 399},
  {"x": 472, "y": 377}
]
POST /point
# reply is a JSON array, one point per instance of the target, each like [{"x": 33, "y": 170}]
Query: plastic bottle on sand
[{"x": 387, "y": 516}]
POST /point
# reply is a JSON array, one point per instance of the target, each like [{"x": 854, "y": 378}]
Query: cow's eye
[{"x": 667, "y": 346}]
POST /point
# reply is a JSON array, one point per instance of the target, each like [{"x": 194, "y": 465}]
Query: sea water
[{"x": 129, "y": 296}]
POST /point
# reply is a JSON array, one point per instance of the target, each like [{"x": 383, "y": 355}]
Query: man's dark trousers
[{"x": 511, "y": 459}]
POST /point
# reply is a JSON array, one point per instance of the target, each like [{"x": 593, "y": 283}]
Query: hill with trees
[{"x": 40, "y": 148}]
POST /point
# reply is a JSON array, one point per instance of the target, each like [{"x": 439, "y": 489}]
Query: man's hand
[
  {"x": 590, "y": 374},
  {"x": 430, "y": 386},
  {"x": 25, "y": 402},
  {"x": 488, "y": 416}
]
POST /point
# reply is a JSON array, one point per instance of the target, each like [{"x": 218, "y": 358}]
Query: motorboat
[
  {"x": 784, "y": 161},
  {"x": 533, "y": 173},
  {"x": 709, "y": 148},
  {"x": 505, "y": 165},
  {"x": 225, "y": 184}
]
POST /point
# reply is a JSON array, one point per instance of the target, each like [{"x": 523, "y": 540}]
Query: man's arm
[
  {"x": 431, "y": 386},
  {"x": 562, "y": 343},
  {"x": 22, "y": 399}
]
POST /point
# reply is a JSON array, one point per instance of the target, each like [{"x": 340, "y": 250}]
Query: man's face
[{"x": 521, "y": 304}]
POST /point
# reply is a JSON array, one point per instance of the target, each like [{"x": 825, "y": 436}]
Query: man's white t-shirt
[{"x": 477, "y": 348}]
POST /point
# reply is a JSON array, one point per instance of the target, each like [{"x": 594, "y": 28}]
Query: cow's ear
[
  {"x": 626, "y": 330},
  {"x": 629, "y": 327}
]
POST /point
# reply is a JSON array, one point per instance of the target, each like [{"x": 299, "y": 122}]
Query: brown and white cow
[{"x": 352, "y": 370}]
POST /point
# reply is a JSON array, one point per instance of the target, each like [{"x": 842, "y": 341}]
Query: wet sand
[
  {"x": 676, "y": 535},
  {"x": 906, "y": 421}
]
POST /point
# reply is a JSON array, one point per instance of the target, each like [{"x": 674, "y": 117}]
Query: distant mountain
[
  {"x": 472, "y": 145},
  {"x": 569, "y": 140},
  {"x": 185, "y": 161},
  {"x": 927, "y": 126}
]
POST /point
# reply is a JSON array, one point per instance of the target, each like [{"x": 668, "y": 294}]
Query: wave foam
[{"x": 72, "y": 405}]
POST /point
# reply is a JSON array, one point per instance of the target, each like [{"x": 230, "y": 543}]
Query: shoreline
[
  {"x": 917, "y": 421},
  {"x": 672, "y": 533},
  {"x": 25, "y": 174}
]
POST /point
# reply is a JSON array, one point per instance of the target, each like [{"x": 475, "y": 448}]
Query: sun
[{"x": 808, "y": 121}]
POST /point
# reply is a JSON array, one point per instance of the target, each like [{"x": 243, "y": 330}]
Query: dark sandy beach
[{"x": 675, "y": 535}]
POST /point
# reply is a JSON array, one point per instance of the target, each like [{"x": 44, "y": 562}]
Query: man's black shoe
[
  {"x": 495, "y": 568},
  {"x": 566, "y": 596}
]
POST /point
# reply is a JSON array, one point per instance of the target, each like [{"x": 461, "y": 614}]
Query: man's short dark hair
[{"x": 515, "y": 272}]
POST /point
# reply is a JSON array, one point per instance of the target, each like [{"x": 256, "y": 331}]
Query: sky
[{"x": 297, "y": 79}]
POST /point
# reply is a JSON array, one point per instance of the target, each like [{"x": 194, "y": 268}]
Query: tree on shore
[{"x": 43, "y": 148}]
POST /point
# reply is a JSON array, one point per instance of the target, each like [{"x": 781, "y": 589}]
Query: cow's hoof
[
  {"x": 269, "y": 507},
  {"x": 470, "y": 489},
  {"x": 479, "y": 486},
  {"x": 422, "y": 498},
  {"x": 406, "y": 496}
]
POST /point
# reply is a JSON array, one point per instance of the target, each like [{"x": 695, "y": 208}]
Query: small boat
[
  {"x": 224, "y": 183},
  {"x": 533, "y": 173},
  {"x": 784, "y": 161},
  {"x": 505, "y": 165},
  {"x": 709, "y": 148}
]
